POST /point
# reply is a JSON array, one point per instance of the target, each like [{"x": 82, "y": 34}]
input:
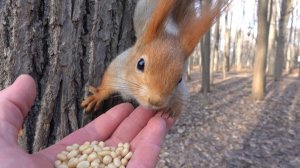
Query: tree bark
[
  {"x": 238, "y": 50},
  {"x": 215, "y": 51},
  {"x": 281, "y": 39},
  {"x": 227, "y": 31},
  {"x": 272, "y": 40},
  {"x": 65, "y": 46},
  {"x": 205, "y": 49},
  {"x": 258, "y": 85}
]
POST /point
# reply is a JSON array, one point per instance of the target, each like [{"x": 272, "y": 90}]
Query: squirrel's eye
[
  {"x": 180, "y": 80},
  {"x": 141, "y": 64}
]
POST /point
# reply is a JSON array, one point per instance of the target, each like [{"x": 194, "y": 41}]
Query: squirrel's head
[
  {"x": 158, "y": 69},
  {"x": 158, "y": 57}
]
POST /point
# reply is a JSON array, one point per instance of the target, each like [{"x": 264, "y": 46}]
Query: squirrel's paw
[
  {"x": 92, "y": 102},
  {"x": 170, "y": 113}
]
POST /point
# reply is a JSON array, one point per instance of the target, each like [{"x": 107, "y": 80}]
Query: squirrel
[{"x": 151, "y": 70}]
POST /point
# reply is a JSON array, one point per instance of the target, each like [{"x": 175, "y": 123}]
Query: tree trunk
[
  {"x": 281, "y": 40},
  {"x": 215, "y": 51},
  {"x": 65, "y": 46},
  {"x": 238, "y": 50},
  {"x": 258, "y": 85},
  {"x": 226, "y": 63},
  {"x": 205, "y": 49},
  {"x": 290, "y": 47},
  {"x": 272, "y": 40}
]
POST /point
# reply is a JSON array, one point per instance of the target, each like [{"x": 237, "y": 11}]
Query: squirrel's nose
[{"x": 155, "y": 102}]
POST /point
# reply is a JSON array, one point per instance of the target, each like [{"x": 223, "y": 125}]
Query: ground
[{"x": 227, "y": 129}]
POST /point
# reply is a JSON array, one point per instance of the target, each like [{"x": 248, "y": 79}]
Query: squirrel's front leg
[
  {"x": 174, "y": 109},
  {"x": 110, "y": 83},
  {"x": 102, "y": 92},
  {"x": 176, "y": 104}
]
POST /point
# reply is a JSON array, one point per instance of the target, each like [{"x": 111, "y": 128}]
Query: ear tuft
[
  {"x": 156, "y": 23},
  {"x": 194, "y": 27}
]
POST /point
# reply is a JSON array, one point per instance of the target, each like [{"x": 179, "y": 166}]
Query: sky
[
  {"x": 251, "y": 13},
  {"x": 246, "y": 21}
]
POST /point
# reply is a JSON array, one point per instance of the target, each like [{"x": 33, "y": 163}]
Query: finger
[
  {"x": 131, "y": 126},
  {"x": 167, "y": 120},
  {"x": 147, "y": 144},
  {"x": 99, "y": 129},
  {"x": 15, "y": 102}
]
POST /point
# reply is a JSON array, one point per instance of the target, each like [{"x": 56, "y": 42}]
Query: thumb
[{"x": 15, "y": 102}]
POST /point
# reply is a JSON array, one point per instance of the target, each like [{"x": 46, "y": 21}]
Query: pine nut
[
  {"x": 76, "y": 146},
  {"x": 57, "y": 163},
  {"x": 62, "y": 166},
  {"x": 120, "y": 144},
  {"x": 125, "y": 151},
  {"x": 107, "y": 159},
  {"x": 73, "y": 162},
  {"x": 119, "y": 151},
  {"x": 128, "y": 156},
  {"x": 88, "y": 151},
  {"x": 69, "y": 148},
  {"x": 124, "y": 161},
  {"x": 113, "y": 154},
  {"x": 72, "y": 154},
  {"x": 111, "y": 165},
  {"x": 97, "y": 149},
  {"x": 61, "y": 156},
  {"x": 94, "y": 155},
  {"x": 83, "y": 164},
  {"x": 126, "y": 145},
  {"x": 83, "y": 157},
  {"x": 106, "y": 148},
  {"x": 117, "y": 162},
  {"x": 103, "y": 153},
  {"x": 95, "y": 143},
  {"x": 84, "y": 147}
]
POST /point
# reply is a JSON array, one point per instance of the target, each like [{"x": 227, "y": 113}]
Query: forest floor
[{"x": 225, "y": 128}]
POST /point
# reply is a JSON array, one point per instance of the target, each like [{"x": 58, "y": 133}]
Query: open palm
[{"x": 142, "y": 128}]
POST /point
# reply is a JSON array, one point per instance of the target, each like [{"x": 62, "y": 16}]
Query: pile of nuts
[{"x": 94, "y": 155}]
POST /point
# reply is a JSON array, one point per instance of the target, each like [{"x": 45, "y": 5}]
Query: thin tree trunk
[
  {"x": 281, "y": 39},
  {"x": 258, "y": 85},
  {"x": 215, "y": 48},
  {"x": 189, "y": 69},
  {"x": 65, "y": 46},
  {"x": 238, "y": 50},
  {"x": 272, "y": 40},
  {"x": 205, "y": 63},
  {"x": 226, "y": 63}
]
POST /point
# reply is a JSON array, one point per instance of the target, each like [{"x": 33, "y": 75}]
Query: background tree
[
  {"x": 281, "y": 39},
  {"x": 258, "y": 85},
  {"x": 227, "y": 35},
  {"x": 215, "y": 51},
  {"x": 205, "y": 49},
  {"x": 272, "y": 40},
  {"x": 64, "y": 46}
]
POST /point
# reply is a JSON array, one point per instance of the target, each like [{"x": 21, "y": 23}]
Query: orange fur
[
  {"x": 157, "y": 20},
  {"x": 93, "y": 102},
  {"x": 162, "y": 59},
  {"x": 193, "y": 29},
  {"x": 157, "y": 86},
  {"x": 182, "y": 7}
]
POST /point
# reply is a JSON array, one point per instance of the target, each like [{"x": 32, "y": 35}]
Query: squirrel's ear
[
  {"x": 195, "y": 25},
  {"x": 157, "y": 21}
]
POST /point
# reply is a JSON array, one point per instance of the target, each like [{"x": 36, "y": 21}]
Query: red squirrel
[{"x": 151, "y": 71}]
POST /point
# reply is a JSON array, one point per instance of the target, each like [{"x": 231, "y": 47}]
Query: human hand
[{"x": 143, "y": 129}]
